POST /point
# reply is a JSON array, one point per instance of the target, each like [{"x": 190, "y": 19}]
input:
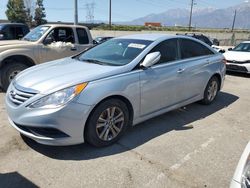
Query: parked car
[
  {"x": 44, "y": 43},
  {"x": 99, "y": 40},
  {"x": 241, "y": 178},
  {"x": 13, "y": 31},
  {"x": 238, "y": 58},
  {"x": 213, "y": 42},
  {"x": 96, "y": 95}
]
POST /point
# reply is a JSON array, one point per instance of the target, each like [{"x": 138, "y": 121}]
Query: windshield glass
[
  {"x": 115, "y": 52},
  {"x": 242, "y": 47},
  {"x": 36, "y": 33}
]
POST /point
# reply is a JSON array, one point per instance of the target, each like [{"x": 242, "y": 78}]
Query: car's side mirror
[
  {"x": 47, "y": 41},
  {"x": 95, "y": 42},
  {"x": 229, "y": 49},
  {"x": 151, "y": 59}
]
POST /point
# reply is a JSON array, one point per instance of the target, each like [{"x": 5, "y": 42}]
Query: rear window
[{"x": 191, "y": 49}]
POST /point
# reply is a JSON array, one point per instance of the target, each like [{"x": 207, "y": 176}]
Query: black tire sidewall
[
  {"x": 90, "y": 131},
  {"x": 7, "y": 70},
  {"x": 205, "y": 99}
]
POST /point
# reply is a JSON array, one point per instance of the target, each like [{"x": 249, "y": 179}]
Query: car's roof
[
  {"x": 64, "y": 25},
  {"x": 151, "y": 37},
  {"x": 248, "y": 41},
  {"x": 3, "y": 24}
]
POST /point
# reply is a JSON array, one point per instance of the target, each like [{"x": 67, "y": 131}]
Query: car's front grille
[
  {"x": 238, "y": 62},
  {"x": 18, "y": 97},
  {"x": 236, "y": 68}
]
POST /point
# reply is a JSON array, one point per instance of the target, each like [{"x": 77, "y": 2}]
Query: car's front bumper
[
  {"x": 59, "y": 126},
  {"x": 235, "y": 67}
]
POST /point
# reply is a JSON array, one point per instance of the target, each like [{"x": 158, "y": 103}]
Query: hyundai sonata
[{"x": 96, "y": 95}]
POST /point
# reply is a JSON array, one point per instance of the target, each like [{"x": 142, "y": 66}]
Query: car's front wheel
[
  {"x": 211, "y": 91},
  {"x": 107, "y": 123},
  {"x": 9, "y": 72}
]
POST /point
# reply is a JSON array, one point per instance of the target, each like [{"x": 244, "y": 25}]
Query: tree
[
  {"x": 16, "y": 11},
  {"x": 40, "y": 13},
  {"x": 30, "y": 10}
]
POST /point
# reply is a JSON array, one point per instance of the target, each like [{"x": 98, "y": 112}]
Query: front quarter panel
[{"x": 125, "y": 85}]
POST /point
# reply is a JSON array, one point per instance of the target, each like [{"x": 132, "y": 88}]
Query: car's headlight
[
  {"x": 58, "y": 98},
  {"x": 245, "y": 180}
]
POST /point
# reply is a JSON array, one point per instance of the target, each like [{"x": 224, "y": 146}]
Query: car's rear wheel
[
  {"x": 211, "y": 91},
  {"x": 107, "y": 123},
  {"x": 9, "y": 72}
]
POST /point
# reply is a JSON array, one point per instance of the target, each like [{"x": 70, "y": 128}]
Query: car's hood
[
  {"x": 13, "y": 42},
  {"x": 49, "y": 77},
  {"x": 237, "y": 56}
]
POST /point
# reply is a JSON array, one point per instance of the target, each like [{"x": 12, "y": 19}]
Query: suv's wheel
[
  {"x": 211, "y": 91},
  {"x": 107, "y": 123},
  {"x": 9, "y": 71}
]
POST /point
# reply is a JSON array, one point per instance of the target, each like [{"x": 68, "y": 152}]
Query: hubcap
[
  {"x": 212, "y": 90},
  {"x": 13, "y": 75},
  {"x": 110, "y": 123}
]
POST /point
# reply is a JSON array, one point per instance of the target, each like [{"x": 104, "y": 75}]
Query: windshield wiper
[{"x": 94, "y": 61}]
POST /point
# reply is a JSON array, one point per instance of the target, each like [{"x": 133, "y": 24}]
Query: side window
[
  {"x": 11, "y": 33},
  {"x": 60, "y": 35},
  {"x": 82, "y": 36},
  {"x": 168, "y": 50},
  {"x": 19, "y": 32},
  {"x": 191, "y": 48}
]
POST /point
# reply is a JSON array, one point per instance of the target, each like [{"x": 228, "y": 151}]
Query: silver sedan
[{"x": 97, "y": 94}]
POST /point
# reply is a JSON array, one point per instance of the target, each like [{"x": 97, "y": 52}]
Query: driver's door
[{"x": 59, "y": 43}]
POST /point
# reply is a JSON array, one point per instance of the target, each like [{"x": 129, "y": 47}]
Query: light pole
[
  {"x": 110, "y": 14},
  {"x": 76, "y": 13},
  {"x": 190, "y": 18}
]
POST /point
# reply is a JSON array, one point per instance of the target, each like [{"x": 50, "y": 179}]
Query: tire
[
  {"x": 9, "y": 71},
  {"x": 211, "y": 91},
  {"x": 101, "y": 130}
]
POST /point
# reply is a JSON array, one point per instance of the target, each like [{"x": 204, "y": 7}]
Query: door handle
[
  {"x": 73, "y": 49},
  {"x": 180, "y": 70}
]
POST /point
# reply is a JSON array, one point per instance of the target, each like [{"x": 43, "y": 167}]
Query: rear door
[{"x": 195, "y": 72}]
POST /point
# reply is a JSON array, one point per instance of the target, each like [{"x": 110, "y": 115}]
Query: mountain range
[{"x": 205, "y": 18}]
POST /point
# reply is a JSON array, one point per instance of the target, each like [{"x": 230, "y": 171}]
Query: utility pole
[
  {"x": 110, "y": 14},
  {"x": 76, "y": 13},
  {"x": 235, "y": 12},
  {"x": 191, "y": 13}
]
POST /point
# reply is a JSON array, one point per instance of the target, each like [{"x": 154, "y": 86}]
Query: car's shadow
[{"x": 179, "y": 119}]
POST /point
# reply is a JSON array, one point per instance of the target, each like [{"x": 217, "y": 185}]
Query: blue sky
[{"x": 122, "y": 10}]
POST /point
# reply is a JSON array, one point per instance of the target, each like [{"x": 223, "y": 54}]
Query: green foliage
[
  {"x": 40, "y": 13},
  {"x": 16, "y": 11}
]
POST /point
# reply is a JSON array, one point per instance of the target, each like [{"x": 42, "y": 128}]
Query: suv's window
[
  {"x": 11, "y": 33},
  {"x": 82, "y": 36},
  {"x": 191, "y": 48},
  {"x": 19, "y": 32},
  {"x": 60, "y": 34},
  {"x": 204, "y": 39},
  {"x": 168, "y": 50}
]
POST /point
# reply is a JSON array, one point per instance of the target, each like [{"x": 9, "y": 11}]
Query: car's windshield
[
  {"x": 242, "y": 47},
  {"x": 115, "y": 52},
  {"x": 36, "y": 33}
]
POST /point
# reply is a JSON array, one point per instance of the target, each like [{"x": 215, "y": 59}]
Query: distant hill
[{"x": 205, "y": 18}]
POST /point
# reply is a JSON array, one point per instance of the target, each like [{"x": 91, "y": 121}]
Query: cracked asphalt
[{"x": 194, "y": 146}]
